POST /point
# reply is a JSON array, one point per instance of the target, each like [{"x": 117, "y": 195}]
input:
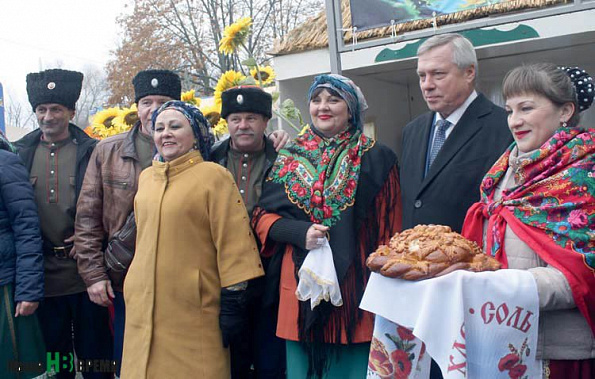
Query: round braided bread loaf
[{"x": 428, "y": 251}]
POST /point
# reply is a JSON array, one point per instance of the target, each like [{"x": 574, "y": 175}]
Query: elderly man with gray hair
[{"x": 447, "y": 151}]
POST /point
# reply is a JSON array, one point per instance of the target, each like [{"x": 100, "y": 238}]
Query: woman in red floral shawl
[
  {"x": 334, "y": 181},
  {"x": 537, "y": 209}
]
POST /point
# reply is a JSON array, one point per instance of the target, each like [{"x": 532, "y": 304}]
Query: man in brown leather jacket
[{"x": 107, "y": 194}]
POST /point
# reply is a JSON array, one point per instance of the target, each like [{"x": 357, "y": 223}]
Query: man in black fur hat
[
  {"x": 248, "y": 155},
  {"x": 56, "y": 156}
]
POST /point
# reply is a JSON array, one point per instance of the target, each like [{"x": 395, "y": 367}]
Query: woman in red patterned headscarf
[{"x": 537, "y": 209}]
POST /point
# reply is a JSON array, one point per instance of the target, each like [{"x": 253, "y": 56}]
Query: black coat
[
  {"x": 85, "y": 146},
  {"x": 21, "y": 259},
  {"x": 452, "y": 183}
]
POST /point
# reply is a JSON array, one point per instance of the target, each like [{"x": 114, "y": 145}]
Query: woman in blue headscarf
[
  {"x": 334, "y": 182},
  {"x": 194, "y": 252}
]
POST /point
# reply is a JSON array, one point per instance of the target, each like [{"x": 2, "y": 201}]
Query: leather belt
[{"x": 62, "y": 252}]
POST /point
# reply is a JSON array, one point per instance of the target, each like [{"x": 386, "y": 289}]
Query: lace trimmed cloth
[{"x": 318, "y": 278}]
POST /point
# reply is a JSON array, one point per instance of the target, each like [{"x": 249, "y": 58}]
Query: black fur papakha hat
[
  {"x": 54, "y": 86},
  {"x": 246, "y": 99},
  {"x": 157, "y": 82}
]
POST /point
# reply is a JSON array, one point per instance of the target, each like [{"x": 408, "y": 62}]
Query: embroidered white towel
[
  {"x": 396, "y": 353},
  {"x": 475, "y": 325}
]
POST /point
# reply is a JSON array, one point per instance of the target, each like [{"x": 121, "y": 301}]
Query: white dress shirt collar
[{"x": 455, "y": 116}]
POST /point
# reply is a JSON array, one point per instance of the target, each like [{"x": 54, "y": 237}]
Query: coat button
[{"x": 417, "y": 204}]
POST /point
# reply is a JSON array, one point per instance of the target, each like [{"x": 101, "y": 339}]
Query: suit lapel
[
  {"x": 465, "y": 129},
  {"x": 423, "y": 152},
  {"x": 415, "y": 150}
]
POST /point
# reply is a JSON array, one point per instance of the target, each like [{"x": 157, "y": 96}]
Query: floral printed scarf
[
  {"x": 320, "y": 174},
  {"x": 552, "y": 210}
]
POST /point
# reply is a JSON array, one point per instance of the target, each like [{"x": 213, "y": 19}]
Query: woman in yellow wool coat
[{"x": 194, "y": 253}]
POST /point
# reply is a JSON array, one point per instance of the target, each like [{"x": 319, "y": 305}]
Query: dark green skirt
[
  {"x": 351, "y": 362},
  {"x": 21, "y": 341}
]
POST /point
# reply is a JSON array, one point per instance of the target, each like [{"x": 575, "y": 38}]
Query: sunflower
[
  {"x": 126, "y": 118},
  {"x": 234, "y": 35},
  {"x": 131, "y": 118},
  {"x": 212, "y": 113},
  {"x": 189, "y": 97},
  {"x": 102, "y": 123},
  {"x": 221, "y": 128},
  {"x": 227, "y": 80},
  {"x": 90, "y": 133},
  {"x": 267, "y": 75}
]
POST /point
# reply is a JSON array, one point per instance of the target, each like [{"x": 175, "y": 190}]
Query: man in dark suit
[{"x": 446, "y": 152}]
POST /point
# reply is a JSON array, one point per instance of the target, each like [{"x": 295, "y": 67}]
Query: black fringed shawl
[{"x": 356, "y": 231}]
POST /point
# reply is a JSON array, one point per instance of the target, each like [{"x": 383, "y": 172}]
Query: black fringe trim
[{"x": 320, "y": 328}]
